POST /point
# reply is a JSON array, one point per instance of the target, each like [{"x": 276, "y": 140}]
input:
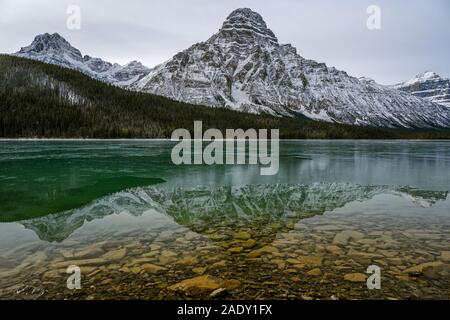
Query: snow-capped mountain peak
[
  {"x": 51, "y": 44},
  {"x": 245, "y": 25},
  {"x": 428, "y": 85},
  {"x": 423, "y": 77},
  {"x": 54, "y": 49},
  {"x": 134, "y": 64},
  {"x": 366, "y": 79},
  {"x": 243, "y": 67}
]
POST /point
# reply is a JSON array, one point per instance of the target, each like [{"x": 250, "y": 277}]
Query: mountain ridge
[
  {"x": 40, "y": 100},
  {"x": 244, "y": 68},
  {"x": 54, "y": 49},
  {"x": 428, "y": 85}
]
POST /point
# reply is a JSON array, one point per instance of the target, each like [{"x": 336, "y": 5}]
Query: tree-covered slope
[{"x": 42, "y": 100}]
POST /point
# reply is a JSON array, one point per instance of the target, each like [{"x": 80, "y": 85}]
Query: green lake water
[{"x": 138, "y": 225}]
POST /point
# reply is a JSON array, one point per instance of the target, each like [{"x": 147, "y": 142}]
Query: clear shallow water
[{"x": 138, "y": 225}]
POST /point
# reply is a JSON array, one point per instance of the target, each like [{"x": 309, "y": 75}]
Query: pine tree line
[{"x": 46, "y": 101}]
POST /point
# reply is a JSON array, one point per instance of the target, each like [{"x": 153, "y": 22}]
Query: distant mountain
[
  {"x": 54, "y": 49},
  {"x": 243, "y": 67},
  {"x": 428, "y": 85},
  {"x": 40, "y": 100}
]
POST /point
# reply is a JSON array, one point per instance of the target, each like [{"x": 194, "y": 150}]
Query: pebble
[
  {"x": 343, "y": 237},
  {"x": 242, "y": 235},
  {"x": 250, "y": 243},
  {"x": 314, "y": 272},
  {"x": 199, "y": 270},
  {"x": 236, "y": 250},
  {"x": 218, "y": 293},
  {"x": 355, "y": 277},
  {"x": 445, "y": 256},
  {"x": 421, "y": 268},
  {"x": 115, "y": 254},
  {"x": 201, "y": 285},
  {"x": 152, "y": 268}
]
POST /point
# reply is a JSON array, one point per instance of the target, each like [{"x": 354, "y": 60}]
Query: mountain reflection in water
[{"x": 266, "y": 209}]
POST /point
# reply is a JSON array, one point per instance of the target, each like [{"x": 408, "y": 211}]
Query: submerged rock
[
  {"x": 154, "y": 247},
  {"x": 242, "y": 235},
  {"x": 328, "y": 228},
  {"x": 421, "y": 268},
  {"x": 307, "y": 260},
  {"x": 344, "y": 237},
  {"x": 187, "y": 261},
  {"x": 84, "y": 262},
  {"x": 92, "y": 251},
  {"x": 445, "y": 256},
  {"x": 281, "y": 264},
  {"x": 115, "y": 254},
  {"x": 236, "y": 250},
  {"x": 355, "y": 277},
  {"x": 363, "y": 257},
  {"x": 218, "y": 293},
  {"x": 259, "y": 252},
  {"x": 199, "y": 270},
  {"x": 203, "y": 285},
  {"x": 250, "y": 243},
  {"x": 314, "y": 272},
  {"x": 219, "y": 264},
  {"x": 333, "y": 249},
  {"x": 152, "y": 268}
]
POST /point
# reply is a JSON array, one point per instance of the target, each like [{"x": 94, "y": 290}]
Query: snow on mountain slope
[
  {"x": 244, "y": 67},
  {"x": 428, "y": 85},
  {"x": 54, "y": 49},
  {"x": 18, "y": 78}
]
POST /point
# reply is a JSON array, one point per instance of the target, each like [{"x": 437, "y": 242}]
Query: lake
[{"x": 140, "y": 227}]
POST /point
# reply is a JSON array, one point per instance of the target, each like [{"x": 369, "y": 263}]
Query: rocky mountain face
[
  {"x": 428, "y": 85},
  {"x": 54, "y": 49},
  {"x": 244, "y": 67}
]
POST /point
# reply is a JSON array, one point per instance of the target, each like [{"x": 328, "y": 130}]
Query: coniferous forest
[{"x": 39, "y": 100}]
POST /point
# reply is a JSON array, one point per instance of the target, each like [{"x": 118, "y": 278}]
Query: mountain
[
  {"x": 40, "y": 100},
  {"x": 428, "y": 85},
  {"x": 244, "y": 67},
  {"x": 54, "y": 49}
]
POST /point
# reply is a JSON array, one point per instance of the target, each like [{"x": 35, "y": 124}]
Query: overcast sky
[{"x": 414, "y": 35}]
